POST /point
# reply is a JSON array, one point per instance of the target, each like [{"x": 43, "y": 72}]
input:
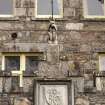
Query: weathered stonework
[
  {"x": 22, "y": 101},
  {"x": 74, "y": 58},
  {"x": 74, "y": 26}
]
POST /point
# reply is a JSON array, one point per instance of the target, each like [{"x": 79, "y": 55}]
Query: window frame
[
  {"x": 23, "y": 56},
  {"x": 48, "y": 16},
  {"x": 85, "y": 15},
  {"x": 10, "y": 15},
  {"x": 22, "y": 61}
]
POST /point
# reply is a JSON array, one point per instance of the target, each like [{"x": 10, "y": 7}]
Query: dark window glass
[
  {"x": 6, "y": 7},
  {"x": 95, "y": 7},
  {"x": 32, "y": 63},
  {"x": 12, "y": 62},
  {"x": 44, "y": 7}
]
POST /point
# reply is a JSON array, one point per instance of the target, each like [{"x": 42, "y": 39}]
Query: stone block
[
  {"x": 20, "y": 11},
  {"x": 4, "y": 25},
  {"x": 27, "y": 84},
  {"x": 41, "y": 26},
  {"x": 53, "y": 53},
  {"x": 79, "y": 85},
  {"x": 39, "y": 47},
  {"x": 23, "y": 3},
  {"x": 74, "y": 3},
  {"x": 86, "y": 47},
  {"x": 64, "y": 37},
  {"x": 88, "y": 86},
  {"x": 8, "y": 84},
  {"x": 32, "y": 3},
  {"x": 52, "y": 70},
  {"x": 98, "y": 46},
  {"x": 74, "y": 34},
  {"x": 19, "y": 26},
  {"x": 82, "y": 101},
  {"x": 22, "y": 101},
  {"x": 100, "y": 84},
  {"x": 72, "y": 47},
  {"x": 66, "y": 3},
  {"x": 18, "y": 4},
  {"x": 31, "y": 12},
  {"x": 38, "y": 37},
  {"x": 69, "y": 12},
  {"x": 74, "y": 26},
  {"x": 5, "y": 100}
]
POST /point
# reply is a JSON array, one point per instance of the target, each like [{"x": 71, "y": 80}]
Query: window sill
[
  {"x": 9, "y": 18},
  {"x": 24, "y": 75},
  {"x": 92, "y": 19},
  {"x": 47, "y": 19}
]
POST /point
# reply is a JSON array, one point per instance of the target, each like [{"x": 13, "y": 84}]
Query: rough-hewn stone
[
  {"x": 74, "y": 26},
  {"x": 82, "y": 101},
  {"x": 22, "y": 101},
  {"x": 75, "y": 56}
]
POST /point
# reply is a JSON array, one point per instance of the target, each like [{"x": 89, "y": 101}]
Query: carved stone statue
[{"x": 52, "y": 31}]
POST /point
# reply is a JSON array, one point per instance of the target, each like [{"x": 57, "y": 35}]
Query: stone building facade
[{"x": 68, "y": 66}]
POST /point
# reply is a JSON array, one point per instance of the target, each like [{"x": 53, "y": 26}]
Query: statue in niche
[{"x": 52, "y": 31}]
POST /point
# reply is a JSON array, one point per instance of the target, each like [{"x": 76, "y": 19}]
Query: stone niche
[{"x": 50, "y": 92}]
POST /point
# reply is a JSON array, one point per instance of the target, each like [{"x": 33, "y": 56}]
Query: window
[
  {"x": 14, "y": 61},
  {"x": 102, "y": 62},
  {"x": 6, "y": 8},
  {"x": 94, "y": 8},
  {"x": 44, "y": 8},
  {"x": 32, "y": 63},
  {"x": 17, "y": 62}
]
